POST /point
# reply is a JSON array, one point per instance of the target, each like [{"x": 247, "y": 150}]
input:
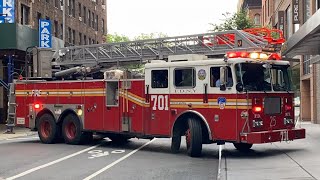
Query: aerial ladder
[{"x": 93, "y": 58}]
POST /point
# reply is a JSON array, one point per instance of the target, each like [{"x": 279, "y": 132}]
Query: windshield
[{"x": 260, "y": 77}]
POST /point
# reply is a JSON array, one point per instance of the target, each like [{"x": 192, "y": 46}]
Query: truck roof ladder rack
[{"x": 215, "y": 43}]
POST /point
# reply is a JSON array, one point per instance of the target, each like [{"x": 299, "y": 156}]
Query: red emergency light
[{"x": 253, "y": 55}]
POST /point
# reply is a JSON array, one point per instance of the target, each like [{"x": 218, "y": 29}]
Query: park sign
[
  {"x": 45, "y": 34},
  {"x": 7, "y": 11}
]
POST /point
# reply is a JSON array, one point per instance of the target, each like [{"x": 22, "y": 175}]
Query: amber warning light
[{"x": 257, "y": 109}]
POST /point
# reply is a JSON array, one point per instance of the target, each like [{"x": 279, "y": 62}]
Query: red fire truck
[{"x": 187, "y": 89}]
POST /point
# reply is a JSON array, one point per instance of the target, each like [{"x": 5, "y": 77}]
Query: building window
[
  {"x": 69, "y": 35},
  {"x": 96, "y": 23},
  {"x": 73, "y": 37},
  {"x": 89, "y": 18},
  {"x": 80, "y": 14},
  {"x": 289, "y": 22},
  {"x": 306, "y": 64},
  {"x": 102, "y": 26},
  {"x": 56, "y": 29},
  {"x": 80, "y": 38},
  {"x": 257, "y": 19},
  {"x": 307, "y": 10},
  {"x": 89, "y": 42},
  {"x": 61, "y": 33},
  {"x": 25, "y": 13},
  {"x": 73, "y": 7},
  {"x": 56, "y": 3},
  {"x": 84, "y": 14},
  {"x": 92, "y": 20},
  {"x": 85, "y": 39},
  {"x": 38, "y": 17},
  {"x": 69, "y": 7}
]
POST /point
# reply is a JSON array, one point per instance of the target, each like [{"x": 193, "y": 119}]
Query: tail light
[{"x": 288, "y": 107}]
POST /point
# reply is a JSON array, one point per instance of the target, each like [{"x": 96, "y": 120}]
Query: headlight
[{"x": 256, "y": 123}]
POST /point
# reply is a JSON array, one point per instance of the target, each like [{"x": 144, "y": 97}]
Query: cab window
[
  {"x": 215, "y": 77},
  {"x": 159, "y": 78},
  {"x": 185, "y": 77}
]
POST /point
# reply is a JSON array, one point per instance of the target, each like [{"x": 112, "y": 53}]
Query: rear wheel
[
  {"x": 48, "y": 130},
  {"x": 194, "y": 138},
  {"x": 71, "y": 130},
  {"x": 243, "y": 147}
]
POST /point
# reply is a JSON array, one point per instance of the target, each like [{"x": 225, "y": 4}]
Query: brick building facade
[
  {"x": 291, "y": 16},
  {"x": 85, "y": 23},
  {"x": 253, "y": 9},
  {"x": 85, "y": 19}
]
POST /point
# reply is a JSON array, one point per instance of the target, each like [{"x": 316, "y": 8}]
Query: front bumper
[{"x": 272, "y": 136}]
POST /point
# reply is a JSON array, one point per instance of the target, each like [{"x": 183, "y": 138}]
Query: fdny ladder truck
[{"x": 211, "y": 88}]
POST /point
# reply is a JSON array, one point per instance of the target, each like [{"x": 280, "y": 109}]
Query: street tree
[
  {"x": 112, "y": 38},
  {"x": 236, "y": 21}
]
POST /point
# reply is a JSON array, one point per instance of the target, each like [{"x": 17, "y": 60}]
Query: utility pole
[{"x": 64, "y": 22}]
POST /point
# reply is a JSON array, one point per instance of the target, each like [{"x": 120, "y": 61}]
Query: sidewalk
[
  {"x": 299, "y": 159},
  {"x": 17, "y": 130}
]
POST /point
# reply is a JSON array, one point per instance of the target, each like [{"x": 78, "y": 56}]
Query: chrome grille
[{"x": 272, "y": 105}]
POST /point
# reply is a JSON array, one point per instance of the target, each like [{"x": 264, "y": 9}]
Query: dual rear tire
[{"x": 49, "y": 131}]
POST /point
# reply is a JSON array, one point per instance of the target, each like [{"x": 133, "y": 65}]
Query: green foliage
[
  {"x": 144, "y": 36},
  {"x": 112, "y": 38},
  {"x": 237, "y": 21}
]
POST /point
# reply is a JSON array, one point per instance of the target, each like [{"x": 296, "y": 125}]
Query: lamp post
[{"x": 64, "y": 22}]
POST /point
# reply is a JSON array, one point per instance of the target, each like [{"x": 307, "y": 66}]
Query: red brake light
[
  {"x": 36, "y": 106},
  {"x": 288, "y": 107},
  {"x": 257, "y": 109}
]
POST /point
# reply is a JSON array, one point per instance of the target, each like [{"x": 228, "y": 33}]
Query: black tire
[
  {"x": 176, "y": 141},
  {"x": 48, "y": 130},
  {"x": 194, "y": 138},
  {"x": 87, "y": 137},
  {"x": 71, "y": 130},
  {"x": 243, "y": 147}
]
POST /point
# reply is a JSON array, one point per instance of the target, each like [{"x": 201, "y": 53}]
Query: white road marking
[
  {"x": 219, "y": 169},
  {"x": 26, "y": 138},
  {"x": 51, "y": 163},
  {"x": 117, "y": 161}
]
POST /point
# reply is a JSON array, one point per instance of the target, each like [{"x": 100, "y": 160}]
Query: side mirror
[
  {"x": 239, "y": 87},
  {"x": 223, "y": 78}
]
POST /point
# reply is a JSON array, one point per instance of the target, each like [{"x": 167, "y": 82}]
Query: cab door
[{"x": 157, "y": 90}]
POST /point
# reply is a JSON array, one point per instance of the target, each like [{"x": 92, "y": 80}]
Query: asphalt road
[{"x": 27, "y": 158}]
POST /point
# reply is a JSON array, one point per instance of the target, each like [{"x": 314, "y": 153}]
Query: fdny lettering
[
  {"x": 36, "y": 92},
  {"x": 184, "y": 91},
  {"x": 160, "y": 102}
]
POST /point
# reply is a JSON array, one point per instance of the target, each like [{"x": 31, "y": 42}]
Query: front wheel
[
  {"x": 194, "y": 138},
  {"x": 243, "y": 147}
]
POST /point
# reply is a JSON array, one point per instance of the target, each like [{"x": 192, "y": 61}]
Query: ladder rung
[{"x": 12, "y": 103}]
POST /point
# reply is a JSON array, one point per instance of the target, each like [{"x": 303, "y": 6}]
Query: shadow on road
[{"x": 252, "y": 153}]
